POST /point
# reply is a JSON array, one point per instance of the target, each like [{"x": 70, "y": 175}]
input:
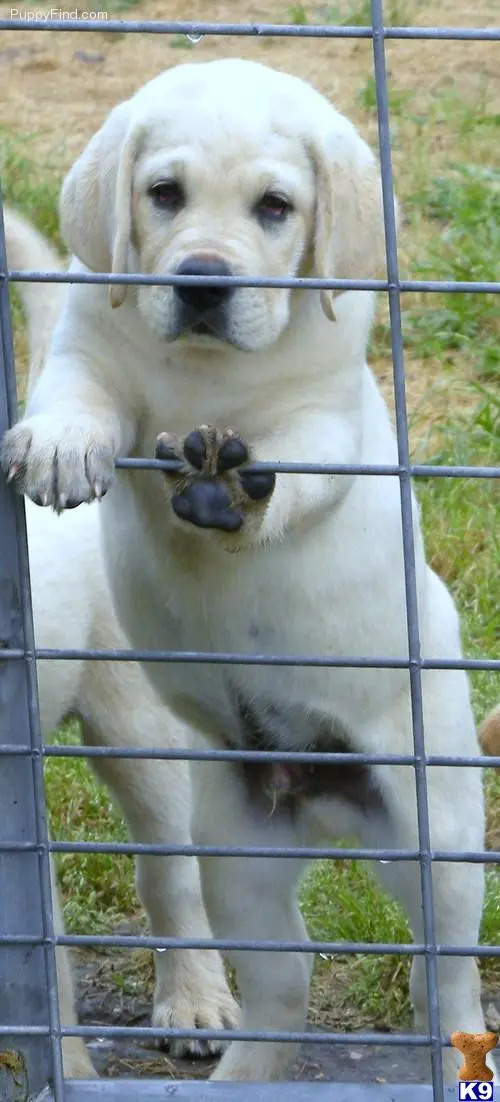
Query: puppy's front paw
[
  {"x": 61, "y": 465},
  {"x": 213, "y": 489}
]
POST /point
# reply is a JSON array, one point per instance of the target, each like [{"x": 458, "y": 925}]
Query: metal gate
[{"x": 30, "y": 1029}]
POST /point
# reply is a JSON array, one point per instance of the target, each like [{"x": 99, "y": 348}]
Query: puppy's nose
[{"x": 199, "y": 296}]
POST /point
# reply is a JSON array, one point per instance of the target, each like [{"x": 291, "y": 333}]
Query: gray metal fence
[{"x": 30, "y": 1030}]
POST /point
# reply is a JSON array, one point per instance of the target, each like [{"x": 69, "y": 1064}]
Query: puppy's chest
[{"x": 215, "y": 602}]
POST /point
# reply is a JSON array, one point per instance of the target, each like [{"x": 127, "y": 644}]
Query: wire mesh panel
[{"x": 30, "y": 1030}]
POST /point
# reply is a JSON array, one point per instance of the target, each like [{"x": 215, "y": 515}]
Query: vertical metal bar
[
  {"x": 28, "y": 979},
  {"x": 408, "y": 544}
]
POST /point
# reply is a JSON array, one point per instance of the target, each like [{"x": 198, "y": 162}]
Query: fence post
[{"x": 26, "y": 998}]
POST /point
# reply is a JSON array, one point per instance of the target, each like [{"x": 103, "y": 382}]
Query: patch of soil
[{"x": 52, "y": 99}]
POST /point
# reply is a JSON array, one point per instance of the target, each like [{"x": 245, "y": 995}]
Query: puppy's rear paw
[
  {"x": 212, "y": 1009},
  {"x": 61, "y": 465},
  {"x": 210, "y": 489}
]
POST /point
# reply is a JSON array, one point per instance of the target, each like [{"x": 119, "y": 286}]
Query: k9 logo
[{"x": 475, "y": 1091}]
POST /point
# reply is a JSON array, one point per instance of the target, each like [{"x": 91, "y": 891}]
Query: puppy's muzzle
[{"x": 203, "y": 306}]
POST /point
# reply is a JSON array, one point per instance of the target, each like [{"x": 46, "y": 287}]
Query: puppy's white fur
[
  {"x": 117, "y": 707},
  {"x": 320, "y": 569}
]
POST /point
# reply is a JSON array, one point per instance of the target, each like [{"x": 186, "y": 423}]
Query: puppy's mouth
[
  {"x": 209, "y": 325},
  {"x": 201, "y": 323},
  {"x": 203, "y": 329}
]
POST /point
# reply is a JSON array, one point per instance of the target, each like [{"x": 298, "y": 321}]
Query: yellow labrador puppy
[{"x": 231, "y": 168}]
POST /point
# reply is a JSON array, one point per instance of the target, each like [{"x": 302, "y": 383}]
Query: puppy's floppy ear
[
  {"x": 96, "y": 198},
  {"x": 349, "y": 234}
]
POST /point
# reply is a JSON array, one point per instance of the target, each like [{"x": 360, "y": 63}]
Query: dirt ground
[
  {"x": 62, "y": 85},
  {"x": 58, "y": 88}
]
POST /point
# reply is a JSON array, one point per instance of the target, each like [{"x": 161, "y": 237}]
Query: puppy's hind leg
[
  {"x": 191, "y": 990},
  {"x": 155, "y": 796},
  {"x": 252, "y": 899}
]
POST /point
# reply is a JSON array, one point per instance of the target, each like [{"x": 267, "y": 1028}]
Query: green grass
[
  {"x": 297, "y": 14},
  {"x": 32, "y": 192},
  {"x": 398, "y": 99},
  {"x": 340, "y": 899},
  {"x": 98, "y": 888},
  {"x": 464, "y": 207},
  {"x": 460, "y": 517},
  {"x": 452, "y": 210}
]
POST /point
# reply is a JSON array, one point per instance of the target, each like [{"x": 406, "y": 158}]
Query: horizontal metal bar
[
  {"x": 306, "y": 852},
  {"x": 278, "y": 30},
  {"x": 155, "y": 849},
  {"x": 420, "y": 470},
  {"x": 312, "y": 283},
  {"x": 320, "y": 852},
  {"x": 235, "y": 658},
  {"x": 211, "y": 755},
  {"x": 126, "y": 941},
  {"x": 394, "y": 1040},
  {"x": 162, "y": 754},
  {"x": 401, "y": 759},
  {"x": 327, "y": 948},
  {"x": 467, "y": 857},
  {"x": 133, "y": 1090}
]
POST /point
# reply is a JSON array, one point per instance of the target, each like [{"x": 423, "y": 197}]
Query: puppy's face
[
  {"x": 219, "y": 169},
  {"x": 213, "y": 196}
]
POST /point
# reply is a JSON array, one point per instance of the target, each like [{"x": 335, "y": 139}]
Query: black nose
[{"x": 199, "y": 296}]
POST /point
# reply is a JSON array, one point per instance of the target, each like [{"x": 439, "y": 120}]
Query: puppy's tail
[
  {"x": 489, "y": 734},
  {"x": 27, "y": 249}
]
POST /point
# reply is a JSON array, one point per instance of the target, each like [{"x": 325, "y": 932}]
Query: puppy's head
[{"x": 225, "y": 168}]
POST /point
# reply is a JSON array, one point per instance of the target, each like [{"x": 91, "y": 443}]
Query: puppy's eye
[
  {"x": 273, "y": 207},
  {"x": 167, "y": 195}
]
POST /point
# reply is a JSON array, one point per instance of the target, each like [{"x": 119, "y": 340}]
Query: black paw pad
[
  {"x": 232, "y": 453},
  {"x": 259, "y": 485},
  {"x": 195, "y": 449},
  {"x": 207, "y": 504}
]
